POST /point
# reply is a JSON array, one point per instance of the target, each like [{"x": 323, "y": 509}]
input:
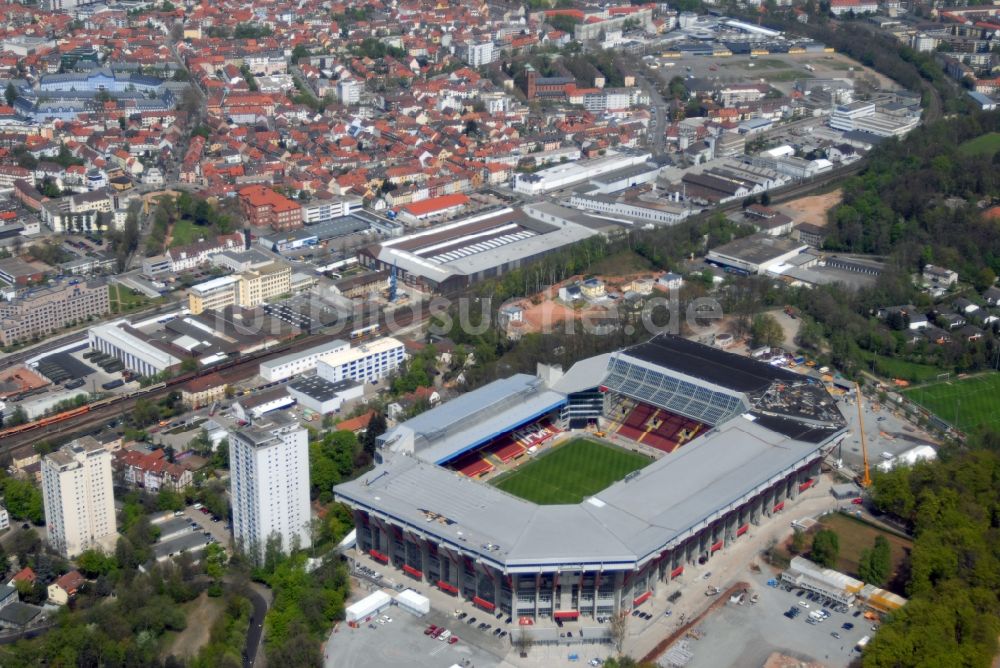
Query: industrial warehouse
[
  {"x": 452, "y": 256},
  {"x": 729, "y": 441}
]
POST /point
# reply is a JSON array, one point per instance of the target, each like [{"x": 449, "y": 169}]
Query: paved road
[{"x": 256, "y": 630}]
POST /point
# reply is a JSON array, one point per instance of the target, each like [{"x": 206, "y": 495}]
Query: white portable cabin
[
  {"x": 368, "y": 606},
  {"x": 413, "y": 602}
]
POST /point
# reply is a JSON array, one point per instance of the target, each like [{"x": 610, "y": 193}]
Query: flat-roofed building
[
  {"x": 320, "y": 395},
  {"x": 78, "y": 497},
  {"x": 295, "y": 364},
  {"x": 41, "y": 311},
  {"x": 269, "y": 485},
  {"x": 256, "y": 286},
  {"x": 366, "y": 363},
  {"x": 139, "y": 354},
  {"x": 215, "y": 294}
]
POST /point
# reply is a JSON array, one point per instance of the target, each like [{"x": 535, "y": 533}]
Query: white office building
[
  {"x": 78, "y": 498},
  {"x": 480, "y": 54},
  {"x": 296, "y": 364},
  {"x": 322, "y": 210},
  {"x": 365, "y": 364},
  {"x": 349, "y": 91},
  {"x": 269, "y": 484}
]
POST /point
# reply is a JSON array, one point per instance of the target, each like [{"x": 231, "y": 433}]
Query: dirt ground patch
[
  {"x": 856, "y": 536},
  {"x": 201, "y": 616},
  {"x": 812, "y": 209}
]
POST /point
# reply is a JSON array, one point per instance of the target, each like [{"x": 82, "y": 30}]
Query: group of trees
[
  {"x": 951, "y": 506},
  {"x": 825, "y": 548},
  {"x": 334, "y": 456},
  {"x": 22, "y": 499},
  {"x": 305, "y": 604},
  {"x": 185, "y": 206},
  {"x": 917, "y": 200},
  {"x": 875, "y": 565}
]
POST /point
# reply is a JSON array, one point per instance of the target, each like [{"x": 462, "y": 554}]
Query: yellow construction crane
[{"x": 866, "y": 480}]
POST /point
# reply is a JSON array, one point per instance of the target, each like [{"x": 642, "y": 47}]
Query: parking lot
[
  {"x": 780, "y": 70},
  {"x": 401, "y": 643},
  {"x": 745, "y": 635}
]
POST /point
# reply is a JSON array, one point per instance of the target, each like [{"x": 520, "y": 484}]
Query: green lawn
[
  {"x": 124, "y": 299},
  {"x": 985, "y": 145},
  {"x": 890, "y": 367},
  {"x": 570, "y": 472},
  {"x": 965, "y": 403},
  {"x": 186, "y": 232}
]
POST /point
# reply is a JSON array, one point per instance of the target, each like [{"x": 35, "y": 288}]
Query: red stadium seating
[{"x": 658, "y": 428}]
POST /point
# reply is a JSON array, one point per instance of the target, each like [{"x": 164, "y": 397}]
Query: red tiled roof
[{"x": 435, "y": 204}]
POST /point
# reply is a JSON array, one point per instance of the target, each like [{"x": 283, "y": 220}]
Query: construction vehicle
[
  {"x": 866, "y": 480},
  {"x": 790, "y": 312}
]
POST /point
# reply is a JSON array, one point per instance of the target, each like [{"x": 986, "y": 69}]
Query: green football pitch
[
  {"x": 964, "y": 403},
  {"x": 570, "y": 472}
]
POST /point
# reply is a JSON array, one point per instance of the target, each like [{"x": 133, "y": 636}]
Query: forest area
[{"x": 952, "y": 507}]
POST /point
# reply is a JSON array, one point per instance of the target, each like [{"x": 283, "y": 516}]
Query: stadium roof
[
  {"x": 472, "y": 419},
  {"x": 584, "y": 375},
  {"x": 728, "y": 370},
  {"x": 627, "y": 523}
]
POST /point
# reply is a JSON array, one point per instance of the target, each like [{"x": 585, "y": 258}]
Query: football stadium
[{"x": 572, "y": 496}]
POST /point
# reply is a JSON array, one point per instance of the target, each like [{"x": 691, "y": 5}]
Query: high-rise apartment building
[
  {"x": 269, "y": 484},
  {"x": 78, "y": 497}
]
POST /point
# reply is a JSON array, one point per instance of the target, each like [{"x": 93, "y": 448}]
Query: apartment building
[
  {"x": 41, "y": 311},
  {"x": 366, "y": 363},
  {"x": 78, "y": 498},
  {"x": 269, "y": 484},
  {"x": 265, "y": 208}
]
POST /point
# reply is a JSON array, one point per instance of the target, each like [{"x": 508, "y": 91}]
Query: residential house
[
  {"x": 939, "y": 276},
  {"x": 66, "y": 587},
  {"x": 151, "y": 470}
]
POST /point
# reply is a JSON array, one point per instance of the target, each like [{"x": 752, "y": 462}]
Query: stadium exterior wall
[{"x": 538, "y": 590}]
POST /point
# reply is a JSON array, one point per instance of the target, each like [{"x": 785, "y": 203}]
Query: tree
[
  {"x": 18, "y": 417},
  {"x": 984, "y": 278},
  {"x": 93, "y": 563},
  {"x": 876, "y": 564},
  {"x": 798, "y": 544},
  {"x": 825, "y": 548},
  {"x": 10, "y": 94},
  {"x": 766, "y": 331},
  {"x": 618, "y": 630},
  {"x": 376, "y": 427},
  {"x": 299, "y": 52},
  {"x": 23, "y": 500}
]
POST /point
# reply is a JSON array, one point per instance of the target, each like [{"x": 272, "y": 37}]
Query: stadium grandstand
[{"x": 733, "y": 441}]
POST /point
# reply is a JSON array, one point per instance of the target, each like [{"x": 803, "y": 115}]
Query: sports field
[
  {"x": 965, "y": 403},
  {"x": 984, "y": 145},
  {"x": 570, "y": 472}
]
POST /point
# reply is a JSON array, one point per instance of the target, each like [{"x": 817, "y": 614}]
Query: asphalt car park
[
  {"x": 408, "y": 641},
  {"x": 747, "y": 634}
]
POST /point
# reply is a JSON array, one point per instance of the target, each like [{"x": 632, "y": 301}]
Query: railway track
[{"x": 75, "y": 425}]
